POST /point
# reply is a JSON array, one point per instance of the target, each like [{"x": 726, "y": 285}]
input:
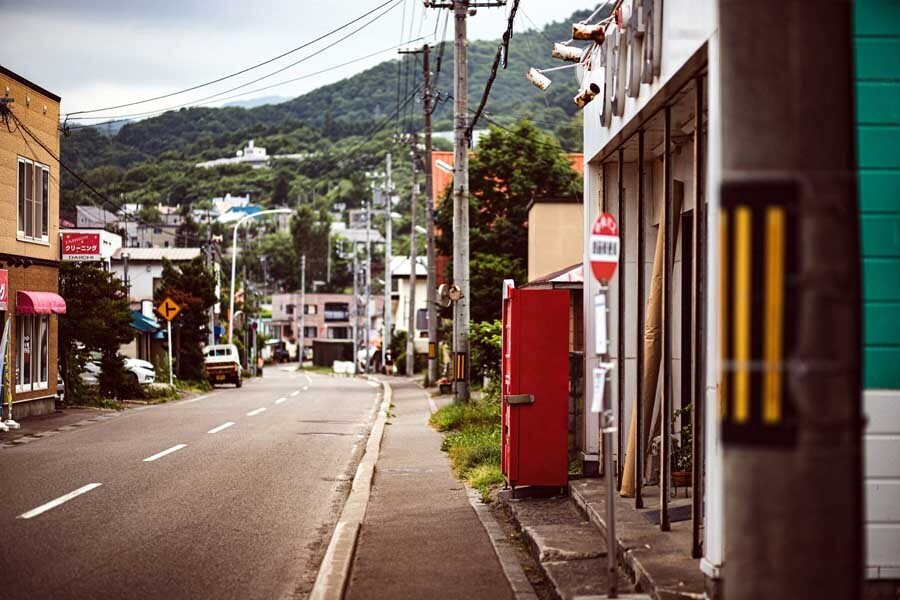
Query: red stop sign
[{"x": 604, "y": 247}]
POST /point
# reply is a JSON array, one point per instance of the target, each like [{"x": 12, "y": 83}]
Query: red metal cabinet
[{"x": 535, "y": 382}]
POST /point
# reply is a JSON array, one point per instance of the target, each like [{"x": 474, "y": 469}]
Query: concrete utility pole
[
  {"x": 302, "y": 305},
  {"x": 388, "y": 282},
  {"x": 461, "y": 10},
  {"x": 355, "y": 308},
  {"x": 368, "y": 281},
  {"x": 793, "y": 524},
  {"x": 411, "y": 318},
  {"x": 431, "y": 287}
]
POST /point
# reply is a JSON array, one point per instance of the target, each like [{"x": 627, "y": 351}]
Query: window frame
[
  {"x": 37, "y": 208},
  {"x": 38, "y": 356}
]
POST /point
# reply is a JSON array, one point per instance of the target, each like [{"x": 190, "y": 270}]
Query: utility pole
[
  {"x": 411, "y": 318},
  {"x": 368, "y": 281},
  {"x": 431, "y": 287},
  {"x": 355, "y": 306},
  {"x": 794, "y": 392},
  {"x": 302, "y": 306},
  {"x": 388, "y": 280},
  {"x": 461, "y": 10}
]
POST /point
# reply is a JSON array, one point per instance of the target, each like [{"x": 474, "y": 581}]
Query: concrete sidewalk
[{"x": 421, "y": 538}]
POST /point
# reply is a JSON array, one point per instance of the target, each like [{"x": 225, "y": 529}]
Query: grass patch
[
  {"x": 195, "y": 386},
  {"x": 316, "y": 369},
  {"x": 472, "y": 442}
]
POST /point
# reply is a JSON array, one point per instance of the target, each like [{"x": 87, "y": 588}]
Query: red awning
[{"x": 39, "y": 303}]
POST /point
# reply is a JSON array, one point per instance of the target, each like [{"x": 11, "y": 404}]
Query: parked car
[
  {"x": 142, "y": 371},
  {"x": 223, "y": 364}
]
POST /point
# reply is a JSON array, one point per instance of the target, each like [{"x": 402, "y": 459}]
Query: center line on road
[
  {"x": 61, "y": 500},
  {"x": 253, "y": 413},
  {"x": 159, "y": 455},
  {"x": 222, "y": 427},
  {"x": 295, "y": 393},
  {"x": 280, "y": 400}
]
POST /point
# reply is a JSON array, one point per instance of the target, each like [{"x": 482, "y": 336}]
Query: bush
[{"x": 485, "y": 344}]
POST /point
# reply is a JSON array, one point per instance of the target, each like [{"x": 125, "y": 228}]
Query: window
[
  {"x": 310, "y": 332},
  {"x": 310, "y": 309},
  {"x": 32, "y": 347},
  {"x": 33, "y": 219},
  {"x": 290, "y": 309},
  {"x": 339, "y": 333},
  {"x": 422, "y": 318},
  {"x": 337, "y": 311}
]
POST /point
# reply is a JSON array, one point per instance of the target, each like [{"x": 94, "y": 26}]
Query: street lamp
[{"x": 274, "y": 211}]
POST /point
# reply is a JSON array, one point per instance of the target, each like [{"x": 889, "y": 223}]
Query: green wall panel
[
  {"x": 882, "y": 327},
  {"x": 881, "y": 279},
  {"x": 881, "y": 370},
  {"x": 876, "y": 17},
  {"x": 881, "y": 235},
  {"x": 879, "y": 191},
  {"x": 879, "y": 146},
  {"x": 876, "y": 103},
  {"x": 878, "y": 58}
]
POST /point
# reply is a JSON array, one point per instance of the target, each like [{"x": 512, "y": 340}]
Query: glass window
[
  {"x": 45, "y": 203},
  {"x": 310, "y": 332},
  {"x": 33, "y": 206},
  {"x": 32, "y": 348},
  {"x": 21, "y": 211},
  {"x": 311, "y": 309},
  {"x": 29, "y": 200}
]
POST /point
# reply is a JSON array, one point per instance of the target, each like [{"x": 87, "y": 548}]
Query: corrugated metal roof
[{"x": 151, "y": 254}]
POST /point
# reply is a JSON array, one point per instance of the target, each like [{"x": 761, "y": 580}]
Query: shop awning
[
  {"x": 39, "y": 303},
  {"x": 143, "y": 323}
]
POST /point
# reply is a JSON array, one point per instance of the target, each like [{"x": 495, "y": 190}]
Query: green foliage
[
  {"x": 484, "y": 343},
  {"x": 310, "y": 230},
  {"x": 459, "y": 416},
  {"x": 274, "y": 256},
  {"x": 98, "y": 318},
  {"x": 191, "y": 286}
]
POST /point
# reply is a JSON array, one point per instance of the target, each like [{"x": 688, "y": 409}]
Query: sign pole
[
  {"x": 608, "y": 427},
  {"x": 169, "y": 339}
]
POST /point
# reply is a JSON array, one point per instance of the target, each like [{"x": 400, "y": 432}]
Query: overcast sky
[{"x": 99, "y": 53}]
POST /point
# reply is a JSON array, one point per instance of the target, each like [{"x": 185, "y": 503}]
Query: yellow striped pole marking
[
  {"x": 775, "y": 256},
  {"x": 723, "y": 312},
  {"x": 742, "y": 281}
]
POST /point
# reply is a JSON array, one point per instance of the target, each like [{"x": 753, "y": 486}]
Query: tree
[
  {"x": 508, "y": 170},
  {"x": 281, "y": 190},
  {"x": 311, "y": 231},
  {"x": 193, "y": 287},
  {"x": 280, "y": 256},
  {"x": 188, "y": 233},
  {"x": 99, "y": 318}
]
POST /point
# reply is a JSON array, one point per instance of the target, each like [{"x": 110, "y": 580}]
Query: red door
[{"x": 535, "y": 384}]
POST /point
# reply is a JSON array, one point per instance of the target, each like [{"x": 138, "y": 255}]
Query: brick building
[{"x": 29, "y": 240}]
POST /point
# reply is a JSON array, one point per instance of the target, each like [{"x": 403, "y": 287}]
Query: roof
[
  {"x": 24, "y": 81},
  {"x": 359, "y": 235},
  {"x": 553, "y": 200},
  {"x": 400, "y": 266},
  {"x": 142, "y": 322},
  {"x": 570, "y": 277},
  {"x": 95, "y": 214},
  {"x": 157, "y": 254}
]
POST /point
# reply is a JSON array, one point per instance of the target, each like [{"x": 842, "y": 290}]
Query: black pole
[{"x": 639, "y": 379}]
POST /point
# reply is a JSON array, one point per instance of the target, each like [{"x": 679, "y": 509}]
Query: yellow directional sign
[{"x": 169, "y": 309}]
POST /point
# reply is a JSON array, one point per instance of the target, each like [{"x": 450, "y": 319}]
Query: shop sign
[
  {"x": 4, "y": 289},
  {"x": 630, "y": 55},
  {"x": 80, "y": 246}
]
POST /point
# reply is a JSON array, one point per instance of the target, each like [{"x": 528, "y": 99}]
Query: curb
[{"x": 334, "y": 571}]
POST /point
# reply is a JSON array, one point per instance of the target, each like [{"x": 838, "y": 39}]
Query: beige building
[
  {"x": 29, "y": 240},
  {"x": 554, "y": 235}
]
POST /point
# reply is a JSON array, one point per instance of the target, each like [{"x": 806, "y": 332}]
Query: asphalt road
[{"x": 187, "y": 505}]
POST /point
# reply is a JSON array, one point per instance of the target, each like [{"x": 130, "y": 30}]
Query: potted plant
[{"x": 683, "y": 451}]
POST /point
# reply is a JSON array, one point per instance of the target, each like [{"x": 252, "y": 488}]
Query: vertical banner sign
[
  {"x": 758, "y": 236},
  {"x": 604, "y": 247},
  {"x": 601, "y": 345},
  {"x": 4, "y": 290}
]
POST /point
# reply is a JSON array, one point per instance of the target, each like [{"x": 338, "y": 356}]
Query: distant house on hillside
[
  {"x": 252, "y": 155},
  {"x": 94, "y": 217}
]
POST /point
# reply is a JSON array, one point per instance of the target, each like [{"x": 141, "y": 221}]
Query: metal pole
[
  {"x": 699, "y": 334},
  {"x": 388, "y": 280},
  {"x": 641, "y": 309},
  {"x": 302, "y": 306},
  {"x": 355, "y": 306},
  {"x": 608, "y": 428},
  {"x": 212, "y": 309},
  {"x": 368, "y": 280},
  {"x": 169, "y": 344},
  {"x": 461, "y": 199},
  {"x": 620, "y": 329},
  {"x": 431, "y": 282},
  {"x": 125, "y": 257},
  {"x": 665, "y": 413},
  {"x": 411, "y": 317},
  {"x": 788, "y": 534}
]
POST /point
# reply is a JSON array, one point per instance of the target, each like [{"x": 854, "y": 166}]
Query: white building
[
  {"x": 400, "y": 271},
  {"x": 145, "y": 267}
]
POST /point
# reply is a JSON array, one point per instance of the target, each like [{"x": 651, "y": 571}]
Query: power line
[
  {"x": 242, "y": 71},
  {"x": 121, "y": 118},
  {"x": 502, "y": 52},
  {"x": 258, "y": 79}
]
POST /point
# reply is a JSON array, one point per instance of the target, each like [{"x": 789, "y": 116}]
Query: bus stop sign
[{"x": 604, "y": 247}]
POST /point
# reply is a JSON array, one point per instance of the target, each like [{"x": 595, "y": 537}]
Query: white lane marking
[
  {"x": 295, "y": 393},
  {"x": 253, "y": 413},
  {"x": 305, "y": 387},
  {"x": 222, "y": 427},
  {"x": 432, "y": 405},
  {"x": 308, "y": 379},
  {"x": 61, "y": 500},
  {"x": 280, "y": 400},
  {"x": 197, "y": 399},
  {"x": 373, "y": 383},
  {"x": 159, "y": 455}
]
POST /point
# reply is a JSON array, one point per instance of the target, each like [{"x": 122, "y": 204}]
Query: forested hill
[{"x": 346, "y": 108}]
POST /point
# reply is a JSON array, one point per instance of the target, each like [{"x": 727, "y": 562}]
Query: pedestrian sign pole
[
  {"x": 169, "y": 309},
  {"x": 604, "y": 261}
]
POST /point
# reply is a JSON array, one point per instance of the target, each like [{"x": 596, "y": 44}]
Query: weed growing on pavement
[
  {"x": 472, "y": 442},
  {"x": 198, "y": 386}
]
